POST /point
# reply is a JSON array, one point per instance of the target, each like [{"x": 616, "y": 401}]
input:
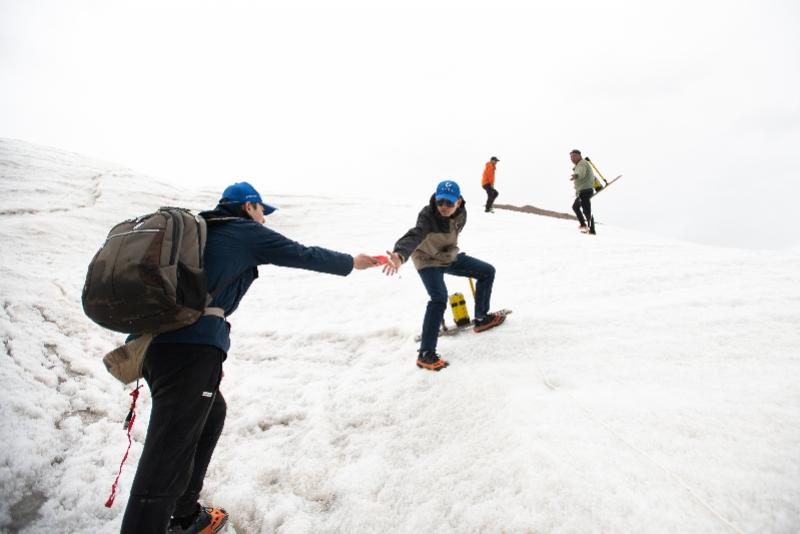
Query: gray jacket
[{"x": 585, "y": 176}]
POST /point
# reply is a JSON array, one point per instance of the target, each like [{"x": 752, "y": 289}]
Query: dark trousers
[
  {"x": 491, "y": 194},
  {"x": 433, "y": 279},
  {"x": 187, "y": 416},
  {"x": 583, "y": 202}
]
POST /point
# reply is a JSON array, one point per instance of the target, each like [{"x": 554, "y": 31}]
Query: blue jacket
[{"x": 234, "y": 249}]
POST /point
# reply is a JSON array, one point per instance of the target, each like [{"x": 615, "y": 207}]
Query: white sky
[{"x": 694, "y": 102}]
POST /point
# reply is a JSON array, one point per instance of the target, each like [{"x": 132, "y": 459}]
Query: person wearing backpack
[
  {"x": 584, "y": 180},
  {"x": 183, "y": 368},
  {"x": 433, "y": 246}
]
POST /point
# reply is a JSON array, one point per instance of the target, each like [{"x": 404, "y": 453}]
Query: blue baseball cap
[
  {"x": 242, "y": 192},
  {"x": 448, "y": 190}
]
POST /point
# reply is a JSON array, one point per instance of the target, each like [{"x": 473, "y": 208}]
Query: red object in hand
[{"x": 382, "y": 259}]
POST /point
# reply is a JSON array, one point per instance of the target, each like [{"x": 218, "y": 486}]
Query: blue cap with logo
[
  {"x": 242, "y": 192},
  {"x": 448, "y": 190}
]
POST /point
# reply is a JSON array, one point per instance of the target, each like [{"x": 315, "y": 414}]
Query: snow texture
[{"x": 641, "y": 385}]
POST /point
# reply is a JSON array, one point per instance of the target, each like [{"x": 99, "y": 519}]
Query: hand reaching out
[
  {"x": 362, "y": 261},
  {"x": 393, "y": 263}
]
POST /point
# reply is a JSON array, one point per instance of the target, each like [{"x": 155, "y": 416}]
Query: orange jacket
[{"x": 488, "y": 174}]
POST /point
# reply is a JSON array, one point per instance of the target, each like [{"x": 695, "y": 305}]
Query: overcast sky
[{"x": 695, "y": 103}]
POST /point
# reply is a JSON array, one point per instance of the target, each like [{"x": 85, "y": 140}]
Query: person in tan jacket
[
  {"x": 488, "y": 183},
  {"x": 433, "y": 247}
]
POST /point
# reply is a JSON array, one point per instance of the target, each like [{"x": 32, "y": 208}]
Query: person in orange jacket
[{"x": 488, "y": 183}]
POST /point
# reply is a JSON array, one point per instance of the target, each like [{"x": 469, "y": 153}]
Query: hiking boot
[
  {"x": 208, "y": 521},
  {"x": 431, "y": 361},
  {"x": 490, "y": 321}
]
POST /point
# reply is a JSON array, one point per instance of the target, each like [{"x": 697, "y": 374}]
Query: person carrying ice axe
[{"x": 584, "y": 181}]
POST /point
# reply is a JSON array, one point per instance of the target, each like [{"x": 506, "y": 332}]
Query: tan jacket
[{"x": 433, "y": 242}]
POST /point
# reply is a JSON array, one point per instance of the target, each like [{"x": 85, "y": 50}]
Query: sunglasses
[{"x": 443, "y": 202}]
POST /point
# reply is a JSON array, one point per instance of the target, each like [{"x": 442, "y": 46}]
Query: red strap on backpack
[{"x": 127, "y": 426}]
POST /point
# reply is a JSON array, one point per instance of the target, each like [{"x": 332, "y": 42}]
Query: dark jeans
[
  {"x": 491, "y": 194},
  {"x": 433, "y": 278},
  {"x": 186, "y": 419},
  {"x": 583, "y": 202}
]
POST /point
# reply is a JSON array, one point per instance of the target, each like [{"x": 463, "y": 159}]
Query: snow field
[{"x": 632, "y": 368}]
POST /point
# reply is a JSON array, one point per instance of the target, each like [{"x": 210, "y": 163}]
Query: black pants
[
  {"x": 491, "y": 194},
  {"x": 583, "y": 202},
  {"x": 187, "y": 416}
]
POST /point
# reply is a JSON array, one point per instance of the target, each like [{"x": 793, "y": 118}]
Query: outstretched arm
[
  {"x": 268, "y": 246},
  {"x": 407, "y": 244}
]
